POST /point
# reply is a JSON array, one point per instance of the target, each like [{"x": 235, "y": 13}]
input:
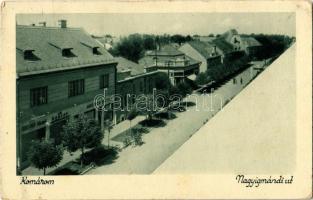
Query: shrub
[
  {"x": 127, "y": 141},
  {"x": 137, "y": 138}
]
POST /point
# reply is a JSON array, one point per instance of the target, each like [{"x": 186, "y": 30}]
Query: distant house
[
  {"x": 106, "y": 41},
  {"x": 206, "y": 52},
  {"x": 172, "y": 61},
  {"x": 227, "y": 51},
  {"x": 59, "y": 71},
  {"x": 246, "y": 43},
  {"x": 250, "y": 45},
  {"x": 132, "y": 79}
]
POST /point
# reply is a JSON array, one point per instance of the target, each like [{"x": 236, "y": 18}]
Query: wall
[
  {"x": 132, "y": 86},
  {"x": 33, "y": 122},
  {"x": 58, "y": 89},
  {"x": 191, "y": 52}
]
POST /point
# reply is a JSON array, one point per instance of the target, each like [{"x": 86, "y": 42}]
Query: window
[
  {"x": 29, "y": 55},
  {"x": 39, "y": 96},
  {"x": 76, "y": 87},
  {"x": 95, "y": 51},
  {"x": 104, "y": 81},
  {"x": 68, "y": 53}
]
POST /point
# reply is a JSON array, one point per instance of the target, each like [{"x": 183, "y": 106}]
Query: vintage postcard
[{"x": 156, "y": 100}]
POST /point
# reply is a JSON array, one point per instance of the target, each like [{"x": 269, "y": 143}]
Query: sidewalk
[
  {"x": 119, "y": 128},
  {"x": 160, "y": 143},
  {"x": 255, "y": 134},
  {"x": 67, "y": 157}
]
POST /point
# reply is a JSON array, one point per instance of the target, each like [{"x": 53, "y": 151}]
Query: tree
[
  {"x": 44, "y": 154},
  {"x": 81, "y": 133},
  {"x": 162, "y": 82},
  {"x": 130, "y": 47},
  {"x": 108, "y": 126},
  {"x": 178, "y": 39},
  {"x": 147, "y": 105},
  {"x": 148, "y": 42},
  {"x": 202, "y": 78},
  {"x": 132, "y": 115},
  {"x": 184, "y": 88},
  {"x": 188, "y": 38}
]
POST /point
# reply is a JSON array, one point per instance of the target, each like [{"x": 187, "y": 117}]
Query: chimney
[
  {"x": 43, "y": 24},
  {"x": 62, "y": 23}
]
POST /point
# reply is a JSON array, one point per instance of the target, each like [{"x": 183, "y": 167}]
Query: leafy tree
[
  {"x": 184, "y": 88},
  {"x": 130, "y": 47},
  {"x": 162, "y": 82},
  {"x": 44, "y": 154},
  {"x": 211, "y": 35},
  {"x": 132, "y": 115},
  {"x": 147, "y": 105},
  {"x": 178, "y": 39},
  {"x": 188, "y": 38},
  {"x": 148, "y": 42},
  {"x": 80, "y": 134},
  {"x": 108, "y": 126},
  {"x": 202, "y": 78}
]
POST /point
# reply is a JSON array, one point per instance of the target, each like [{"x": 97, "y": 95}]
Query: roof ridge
[{"x": 49, "y": 27}]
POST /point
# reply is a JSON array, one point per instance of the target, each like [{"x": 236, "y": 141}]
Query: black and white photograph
[
  {"x": 156, "y": 100},
  {"x": 120, "y": 93}
]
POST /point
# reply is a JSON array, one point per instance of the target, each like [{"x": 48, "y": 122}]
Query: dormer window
[
  {"x": 95, "y": 51},
  {"x": 29, "y": 55},
  {"x": 68, "y": 53}
]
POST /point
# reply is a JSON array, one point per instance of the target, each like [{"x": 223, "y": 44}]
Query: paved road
[
  {"x": 162, "y": 142},
  {"x": 255, "y": 134}
]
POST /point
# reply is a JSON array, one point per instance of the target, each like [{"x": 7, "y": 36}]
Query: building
[
  {"x": 172, "y": 61},
  {"x": 227, "y": 50},
  {"x": 205, "y": 52},
  {"x": 132, "y": 80},
  {"x": 107, "y": 41},
  {"x": 59, "y": 72},
  {"x": 240, "y": 42}
]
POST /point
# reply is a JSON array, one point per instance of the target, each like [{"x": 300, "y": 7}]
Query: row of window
[
  {"x": 39, "y": 96},
  {"x": 66, "y": 52}
]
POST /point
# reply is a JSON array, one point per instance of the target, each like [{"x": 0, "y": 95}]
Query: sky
[{"x": 121, "y": 24}]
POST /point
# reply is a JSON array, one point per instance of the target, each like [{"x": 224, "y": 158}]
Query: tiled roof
[
  {"x": 204, "y": 48},
  {"x": 224, "y": 46},
  {"x": 148, "y": 61},
  {"x": 46, "y": 44},
  {"x": 167, "y": 50},
  {"x": 124, "y": 65},
  {"x": 229, "y": 34},
  {"x": 250, "y": 41}
]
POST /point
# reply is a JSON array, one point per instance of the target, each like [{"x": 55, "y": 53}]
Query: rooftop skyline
[{"x": 121, "y": 24}]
